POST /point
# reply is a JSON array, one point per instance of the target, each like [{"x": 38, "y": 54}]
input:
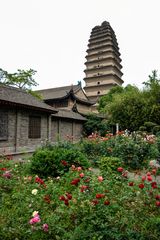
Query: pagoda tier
[{"x": 103, "y": 65}]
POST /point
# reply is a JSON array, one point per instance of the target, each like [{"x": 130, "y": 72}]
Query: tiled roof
[
  {"x": 59, "y": 92},
  {"x": 63, "y": 92},
  {"x": 16, "y": 96},
  {"x": 69, "y": 114}
]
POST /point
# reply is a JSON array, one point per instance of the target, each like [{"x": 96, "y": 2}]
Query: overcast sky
[{"x": 51, "y": 37}]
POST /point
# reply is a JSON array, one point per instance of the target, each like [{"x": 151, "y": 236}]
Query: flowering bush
[
  {"x": 78, "y": 205},
  {"x": 56, "y": 160},
  {"x": 134, "y": 152}
]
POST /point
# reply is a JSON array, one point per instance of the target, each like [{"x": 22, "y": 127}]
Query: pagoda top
[{"x": 104, "y": 24}]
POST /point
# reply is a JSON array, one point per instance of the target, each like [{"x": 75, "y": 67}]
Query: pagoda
[{"x": 103, "y": 65}]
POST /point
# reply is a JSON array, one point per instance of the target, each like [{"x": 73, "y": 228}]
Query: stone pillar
[
  {"x": 49, "y": 128},
  {"x": 17, "y": 130}
]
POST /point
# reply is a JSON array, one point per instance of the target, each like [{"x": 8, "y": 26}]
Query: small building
[{"x": 26, "y": 122}]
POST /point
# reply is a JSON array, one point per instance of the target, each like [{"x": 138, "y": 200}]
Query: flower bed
[{"x": 78, "y": 205}]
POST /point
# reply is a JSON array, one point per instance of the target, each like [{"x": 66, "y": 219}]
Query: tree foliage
[
  {"x": 21, "y": 79},
  {"x": 132, "y": 107},
  {"x": 95, "y": 123}
]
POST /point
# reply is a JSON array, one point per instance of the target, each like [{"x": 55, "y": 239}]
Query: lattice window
[
  {"x": 34, "y": 130},
  {"x": 3, "y": 125}
]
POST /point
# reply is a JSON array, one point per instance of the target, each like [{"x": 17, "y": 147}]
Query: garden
[{"x": 100, "y": 188}]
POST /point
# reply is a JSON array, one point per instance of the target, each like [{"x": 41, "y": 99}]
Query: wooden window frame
[
  {"x": 3, "y": 125},
  {"x": 34, "y": 127}
]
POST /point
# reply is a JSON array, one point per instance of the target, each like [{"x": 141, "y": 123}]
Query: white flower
[
  {"x": 34, "y": 213},
  {"x": 34, "y": 191}
]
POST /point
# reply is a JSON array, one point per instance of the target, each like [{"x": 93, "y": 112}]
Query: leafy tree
[
  {"x": 131, "y": 107},
  {"x": 109, "y": 97},
  {"x": 95, "y": 123},
  {"x": 21, "y": 79}
]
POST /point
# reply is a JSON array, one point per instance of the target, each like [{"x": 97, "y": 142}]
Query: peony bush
[{"x": 81, "y": 204}]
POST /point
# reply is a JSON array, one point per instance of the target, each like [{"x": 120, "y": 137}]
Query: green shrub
[
  {"x": 56, "y": 160},
  {"x": 149, "y": 126},
  {"x": 109, "y": 164},
  {"x": 156, "y": 129},
  {"x": 142, "y": 128}
]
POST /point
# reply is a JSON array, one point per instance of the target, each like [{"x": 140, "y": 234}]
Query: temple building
[
  {"x": 70, "y": 97},
  {"x": 103, "y": 65}
]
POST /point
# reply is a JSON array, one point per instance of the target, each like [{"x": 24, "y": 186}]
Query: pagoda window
[
  {"x": 98, "y": 83},
  {"x": 3, "y": 125},
  {"x": 98, "y": 92}
]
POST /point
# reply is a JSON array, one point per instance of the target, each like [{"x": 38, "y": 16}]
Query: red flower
[
  {"x": 9, "y": 157},
  {"x": 39, "y": 180},
  {"x": 120, "y": 169},
  {"x": 75, "y": 181},
  {"x": 149, "y": 178},
  {"x": 158, "y": 203},
  {"x": 141, "y": 185},
  {"x": 130, "y": 183},
  {"x": 69, "y": 196},
  {"x": 62, "y": 198},
  {"x": 47, "y": 198},
  {"x": 64, "y": 163},
  {"x": 157, "y": 197},
  {"x": 154, "y": 171},
  {"x": 83, "y": 188},
  {"x": 106, "y": 202},
  {"x": 154, "y": 185},
  {"x": 66, "y": 202},
  {"x": 87, "y": 179},
  {"x": 95, "y": 201},
  {"x": 3, "y": 169},
  {"x": 99, "y": 195}
]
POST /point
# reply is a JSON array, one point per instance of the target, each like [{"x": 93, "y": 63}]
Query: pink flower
[
  {"x": 100, "y": 178},
  {"x": 158, "y": 203},
  {"x": 7, "y": 174},
  {"x": 79, "y": 169},
  {"x": 45, "y": 227},
  {"x": 35, "y": 219},
  {"x": 143, "y": 178},
  {"x": 148, "y": 173},
  {"x": 154, "y": 171},
  {"x": 149, "y": 178},
  {"x": 81, "y": 175},
  {"x": 73, "y": 167}
]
